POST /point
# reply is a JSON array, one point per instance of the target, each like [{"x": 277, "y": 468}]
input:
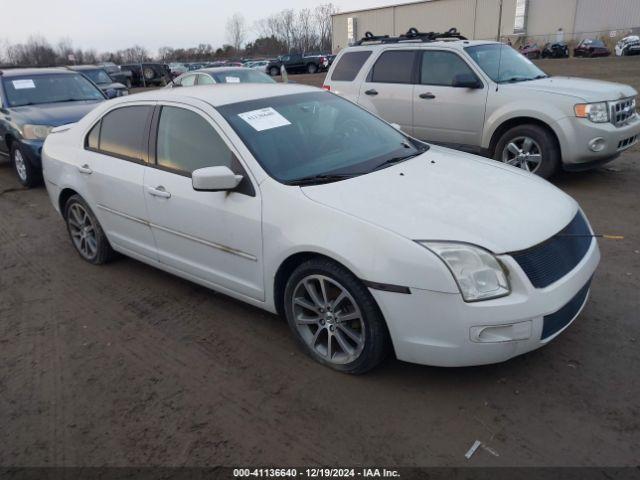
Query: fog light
[
  {"x": 597, "y": 144},
  {"x": 501, "y": 333}
]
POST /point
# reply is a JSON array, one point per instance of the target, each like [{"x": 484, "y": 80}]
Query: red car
[
  {"x": 531, "y": 50},
  {"x": 591, "y": 48}
]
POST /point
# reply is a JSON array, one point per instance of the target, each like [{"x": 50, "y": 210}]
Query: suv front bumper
[{"x": 577, "y": 134}]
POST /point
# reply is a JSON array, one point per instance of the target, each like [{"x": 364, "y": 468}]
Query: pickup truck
[{"x": 297, "y": 63}]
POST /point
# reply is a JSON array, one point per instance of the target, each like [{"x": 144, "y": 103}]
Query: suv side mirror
[
  {"x": 467, "y": 80},
  {"x": 215, "y": 179}
]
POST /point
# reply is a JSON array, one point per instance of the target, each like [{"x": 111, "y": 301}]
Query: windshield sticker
[
  {"x": 264, "y": 119},
  {"x": 22, "y": 84},
  {"x": 232, "y": 79}
]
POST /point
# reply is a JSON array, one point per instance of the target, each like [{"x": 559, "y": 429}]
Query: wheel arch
[
  {"x": 64, "y": 196},
  {"x": 516, "y": 122}
]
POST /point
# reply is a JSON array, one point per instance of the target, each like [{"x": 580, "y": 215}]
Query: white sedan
[{"x": 299, "y": 202}]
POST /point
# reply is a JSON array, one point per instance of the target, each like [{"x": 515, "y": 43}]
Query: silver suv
[{"x": 486, "y": 98}]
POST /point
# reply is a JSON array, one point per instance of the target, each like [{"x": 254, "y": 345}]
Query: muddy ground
[{"x": 127, "y": 365}]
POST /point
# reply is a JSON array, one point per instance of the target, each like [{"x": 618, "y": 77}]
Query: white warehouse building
[{"x": 542, "y": 20}]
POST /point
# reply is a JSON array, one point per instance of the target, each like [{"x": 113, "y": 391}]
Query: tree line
[{"x": 305, "y": 30}]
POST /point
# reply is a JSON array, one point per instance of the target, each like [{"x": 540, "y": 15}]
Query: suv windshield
[
  {"x": 503, "y": 64},
  {"x": 316, "y": 137},
  {"x": 98, "y": 76},
  {"x": 49, "y": 88}
]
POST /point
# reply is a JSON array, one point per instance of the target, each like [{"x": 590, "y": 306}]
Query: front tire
[
  {"x": 28, "y": 175},
  {"x": 334, "y": 318},
  {"x": 85, "y": 232},
  {"x": 274, "y": 71},
  {"x": 312, "y": 68},
  {"x": 530, "y": 147}
]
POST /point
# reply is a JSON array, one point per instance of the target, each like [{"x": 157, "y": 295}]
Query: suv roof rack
[{"x": 412, "y": 35}]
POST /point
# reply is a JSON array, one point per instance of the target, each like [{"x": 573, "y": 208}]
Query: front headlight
[
  {"x": 596, "y": 112},
  {"x": 478, "y": 273},
  {"x": 35, "y": 132}
]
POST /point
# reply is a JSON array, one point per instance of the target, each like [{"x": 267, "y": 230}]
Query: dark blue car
[{"x": 32, "y": 102}]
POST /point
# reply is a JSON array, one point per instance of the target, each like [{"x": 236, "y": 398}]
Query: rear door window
[
  {"x": 349, "y": 65},
  {"x": 123, "y": 133},
  {"x": 394, "y": 67}
]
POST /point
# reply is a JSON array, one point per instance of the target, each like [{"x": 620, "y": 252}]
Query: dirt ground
[{"x": 125, "y": 365}]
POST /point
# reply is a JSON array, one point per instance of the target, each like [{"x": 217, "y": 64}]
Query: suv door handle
[
  {"x": 371, "y": 92},
  {"x": 427, "y": 96},
  {"x": 86, "y": 169},
  {"x": 158, "y": 191}
]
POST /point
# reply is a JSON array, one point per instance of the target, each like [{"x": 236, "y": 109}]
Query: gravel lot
[{"x": 126, "y": 365}]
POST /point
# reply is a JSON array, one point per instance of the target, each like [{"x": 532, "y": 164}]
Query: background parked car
[
  {"x": 531, "y": 50},
  {"x": 32, "y": 102},
  {"x": 260, "y": 65},
  {"x": 296, "y": 63},
  {"x": 116, "y": 74},
  {"x": 628, "y": 46},
  {"x": 555, "y": 50},
  {"x": 591, "y": 48},
  {"x": 211, "y": 76},
  {"x": 177, "y": 69},
  {"x": 146, "y": 74},
  {"x": 101, "y": 78}
]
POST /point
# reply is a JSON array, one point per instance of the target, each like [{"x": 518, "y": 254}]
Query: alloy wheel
[
  {"x": 328, "y": 319},
  {"x": 21, "y": 167},
  {"x": 523, "y": 152},
  {"x": 83, "y": 231}
]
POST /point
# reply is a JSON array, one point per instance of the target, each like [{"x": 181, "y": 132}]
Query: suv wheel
[
  {"x": 531, "y": 148},
  {"x": 334, "y": 318},
  {"x": 28, "y": 175},
  {"x": 312, "y": 68},
  {"x": 86, "y": 233},
  {"x": 274, "y": 71}
]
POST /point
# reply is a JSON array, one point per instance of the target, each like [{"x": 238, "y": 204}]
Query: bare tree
[
  {"x": 324, "y": 23},
  {"x": 64, "y": 48},
  {"x": 236, "y": 31}
]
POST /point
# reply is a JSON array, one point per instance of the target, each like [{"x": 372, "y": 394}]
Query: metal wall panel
[{"x": 603, "y": 15}]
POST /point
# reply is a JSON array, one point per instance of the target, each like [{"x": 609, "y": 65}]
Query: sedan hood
[
  {"x": 449, "y": 195},
  {"x": 54, "y": 114},
  {"x": 582, "y": 88}
]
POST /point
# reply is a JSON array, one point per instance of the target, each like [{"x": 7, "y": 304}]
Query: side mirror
[
  {"x": 111, "y": 93},
  {"x": 467, "y": 80},
  {"x": 215, "y": 179}
]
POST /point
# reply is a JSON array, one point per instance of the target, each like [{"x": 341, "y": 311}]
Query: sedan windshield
[
  {"x": 317, "y": 137},
  {"x": 98, "y": 76},
  {"x": 49, "y": 88},
  {"x": 241, "y": 76},
  {"x": 503, "y": 64}
]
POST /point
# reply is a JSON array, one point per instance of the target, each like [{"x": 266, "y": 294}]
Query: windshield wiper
[
  {"x": 322, "y": 178},
  {"x": 400, "y": 158}
]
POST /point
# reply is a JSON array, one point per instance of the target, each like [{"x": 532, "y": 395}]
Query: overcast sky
[{"x": 115, "y": 24}]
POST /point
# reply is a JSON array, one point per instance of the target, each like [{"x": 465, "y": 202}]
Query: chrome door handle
[
  {"x": 427, "y": 96},
  {"x": 158, "y": 191},
  {"x": 86, "y": 169}
]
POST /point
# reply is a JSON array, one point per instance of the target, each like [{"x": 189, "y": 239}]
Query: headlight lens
[
  {"x": 35, "y": 132},
  {"x": 596, "y": 112},
  {"x": 478, "y": 273}
]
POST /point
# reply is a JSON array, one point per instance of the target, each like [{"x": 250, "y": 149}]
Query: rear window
[
  {"x": 349, "y": 65},
  {"x": 394, "y": 67}
]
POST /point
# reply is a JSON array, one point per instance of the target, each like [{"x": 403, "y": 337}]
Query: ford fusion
[{"x": 374, "y": 243}]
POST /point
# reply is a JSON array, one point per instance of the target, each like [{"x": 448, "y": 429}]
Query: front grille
[
  {"x": 627, "y": 142},
  {"x": 555, "y": 322},
  {"x": 622, "y": 111},
  {"x": 549, "y": 261}
]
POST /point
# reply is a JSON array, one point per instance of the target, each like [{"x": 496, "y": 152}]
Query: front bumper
[
  {"x": 576, "y": 134},
  {"x": 33, "y": 150},
  {"x": 440, "y": 329}
]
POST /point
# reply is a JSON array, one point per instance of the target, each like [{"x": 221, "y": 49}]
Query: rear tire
[
  {"x": 312, "y": 68},
  {"x": 28, "y": 175},
  {"x": 514, "y": 145},
  {"x": 85, "y": 232},
  {"x": 334, "y": 317},
  {"x": 274, "y": 71}
]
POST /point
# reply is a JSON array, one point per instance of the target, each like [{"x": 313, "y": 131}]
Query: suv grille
[
  {"x": 622, "y": 111},
  {"x": 549, "y": 261}
]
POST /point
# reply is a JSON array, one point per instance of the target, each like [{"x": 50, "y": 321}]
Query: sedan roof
[{"x": 224, "y": 93}]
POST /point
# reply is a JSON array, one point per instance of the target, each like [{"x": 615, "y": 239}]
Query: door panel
[
  {"x": 443, "y": 113},
  {"x": 215, "y": 236}
]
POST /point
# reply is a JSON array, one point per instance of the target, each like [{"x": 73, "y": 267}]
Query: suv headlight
[
  {"x": 478, "y": 273},
  {"x": 596, "y": 112},
  {"x": 35, "y": 132}
]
